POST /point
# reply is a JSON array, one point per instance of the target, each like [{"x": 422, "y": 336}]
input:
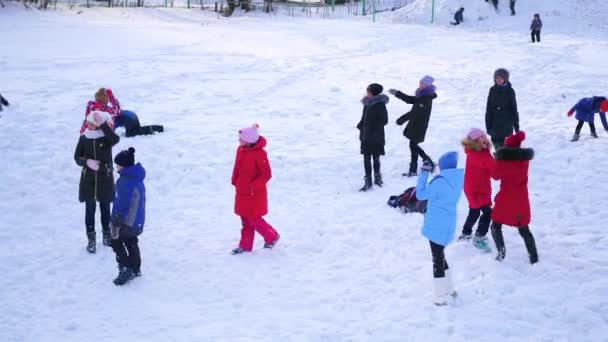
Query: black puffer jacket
[
  {"x": 418, "y": 117},
  {"x": 96, "y": 185},
  {"x": 501, "y": 112},
  {"x": 371, "y": 126}
]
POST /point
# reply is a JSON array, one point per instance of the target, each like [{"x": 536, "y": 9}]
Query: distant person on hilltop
[
  {"x": 535, "y": 28},
  {"x": 3, "y": 102},
  {"x": 585, "y": 110},
  {"x": 495, "y": 4},
  {"x": 458, "y": 17},
  {"x": 512, "y": 6}
]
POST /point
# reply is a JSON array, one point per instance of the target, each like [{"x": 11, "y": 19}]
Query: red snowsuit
[
  {"x": 250, "y": 174},
  {"x": 477, "y": 175},
  {"x": 512, "y": 205},
  {"x": 113, "y": 110}
]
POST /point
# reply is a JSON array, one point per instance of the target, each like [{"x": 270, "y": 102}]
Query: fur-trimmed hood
[
  {"x": 370, "y": 101},
  {"x": 513, "y": 154},
  {"x": 473, "y": 145}
]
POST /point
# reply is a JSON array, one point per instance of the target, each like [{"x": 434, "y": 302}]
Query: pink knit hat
[
  {"x": 475, "y": 133},
  {"x": 249, "y": 134}
]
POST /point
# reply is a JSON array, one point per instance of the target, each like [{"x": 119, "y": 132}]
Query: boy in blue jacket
[
  {"x": 128, "y": 215},
  {"x": 585, "y": 110},
  {"x": 442, "y": 193}
]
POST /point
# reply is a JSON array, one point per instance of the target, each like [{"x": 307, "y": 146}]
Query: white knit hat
[{"x": 105, "y": 116}]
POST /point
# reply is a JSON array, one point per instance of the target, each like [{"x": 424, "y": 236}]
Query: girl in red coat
[
  {"x": 249, "y": 177},
  {"x": 477, "y": 186},
  {"x": 512, "y": 205}
]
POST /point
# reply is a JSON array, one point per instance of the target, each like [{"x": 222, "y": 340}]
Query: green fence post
[
  {"x": 166, "y": 3},
  {"x": 433, "y": 12},
  {"x": 333, "y": 5},
  {"x": 374, "y": 11},
  {"x": 363, "y": 9},
  {"x": 188, "y": 3}
]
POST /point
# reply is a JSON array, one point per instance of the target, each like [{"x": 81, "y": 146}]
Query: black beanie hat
[
  {"x": 125, "y": 158},
  {"x": 503, "y": 73},
  {"x": 375, "y": 89}
]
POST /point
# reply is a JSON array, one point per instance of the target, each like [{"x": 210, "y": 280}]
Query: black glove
[
  {"x": 392, "y": 91},
  {"x": 3, "y": 100}
]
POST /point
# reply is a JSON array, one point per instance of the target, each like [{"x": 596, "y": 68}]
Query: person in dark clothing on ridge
[
  {"x": 418, "y": 120},
  {"x": 535, "y": 28},
  {"x": 371, "y": 133},
  {"x": 502, "y": 117},
  {"x": 458, "y": 17},
  {"x": 3, "y": 102}
]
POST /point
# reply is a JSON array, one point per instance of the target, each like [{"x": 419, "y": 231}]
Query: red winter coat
[
  {"x": 249, "y": 177},
  {"x": 477, "y": 175},
  {"x": 512, "y": 205},
  {"x": 113, "y": 110}
]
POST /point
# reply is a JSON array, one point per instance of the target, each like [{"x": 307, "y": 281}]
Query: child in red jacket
[
  {"x": 249, "y": 177},
  {"x": 512, "y": 203},
  {"x": 104, "y": 102},
  {"x": 477, "y": 186}
]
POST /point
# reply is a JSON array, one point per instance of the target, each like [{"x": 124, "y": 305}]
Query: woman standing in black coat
[
  {"x": 371, "y": 133},
  {"x": 418, "y": 120},
  {"x": 501, "y": 111},
  {"x": 94, "y": 154}
]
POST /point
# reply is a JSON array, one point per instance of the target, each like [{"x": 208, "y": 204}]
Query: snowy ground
[{"x": 348, "y": 268}]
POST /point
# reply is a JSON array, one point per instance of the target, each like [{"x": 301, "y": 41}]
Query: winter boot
[
  {"x": 368, "y": 184},
  {"x": 158, "y": 128},
  {"x": 575, "y": 137},
  {"x": 107, "y": 238},
  {"x": 482, "y": 243},
  {"x": 448, "y": 277},
  {"x": 271, "y": 244},
  {"x": 238, "y": 250},
  {"x": 92, "y": 244},
  {"x": 500, "y": 256},
  {"x": 378, "y": 179},
  {"x": 530, "y": 245},
  {"x": 124, "y": 275},
  {"x": 464, "y": 237},
  {"x": 441, "y": 291},
  {"x": 413, "y": 172},
  {"x": 594, "y": 135}
]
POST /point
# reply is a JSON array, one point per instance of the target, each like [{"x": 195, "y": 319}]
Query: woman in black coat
[
  {"x": 418, "y": 120},
  {"x": 371, "y": 133},
  {"x": 94, "y": 154},
  {"x": 501, "y": 111}
]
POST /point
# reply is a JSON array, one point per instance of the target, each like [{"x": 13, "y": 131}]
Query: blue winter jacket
[
  {"x": 586, "y": 108},
  {"x": 442, "y": 193},
  {"x": 129, "y": 210}
]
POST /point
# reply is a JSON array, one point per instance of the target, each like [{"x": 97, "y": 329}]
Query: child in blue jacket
[
  {"x": 128, "y": 215},
  {"x": 442, "y": 193},
  {"x": 585, "y": 110}
]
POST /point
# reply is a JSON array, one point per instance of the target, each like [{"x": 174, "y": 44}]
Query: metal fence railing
[{"x": 323, "y": 8}]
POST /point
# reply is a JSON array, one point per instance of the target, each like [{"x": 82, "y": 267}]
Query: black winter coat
[
  {"x": 371, "y": 126},
  {"x": 501, "y": 112},
  {"x": 96, "y": 185},
  {"x": 418, "y": 117}
]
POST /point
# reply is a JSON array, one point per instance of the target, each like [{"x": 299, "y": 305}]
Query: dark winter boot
[
  {"x": 238, "y": 250},
  {"x": 158, "y": 128},
  {"x": 271, "y": 244},
  {"x": 413, "y": 172},
  {"x": 575, "y": 137},
  {"x": 378, "y": 179},
  {"x": 107, "y": 238},
  {"x": 124, "y": 275},
  {"x": 92, "y": 244},
  {"x": 499, "y": 241},
  {"x": 594, "y": 135},
  {"x": 368, "y": 184},
  {"x": 530, "y": 244}
]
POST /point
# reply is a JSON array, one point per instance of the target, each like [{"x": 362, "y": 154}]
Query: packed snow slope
[
  {"x": 583, "y": 17},
  {"x": 348, "y": 267}
]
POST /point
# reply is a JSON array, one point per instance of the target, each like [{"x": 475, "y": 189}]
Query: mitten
[
  {"x": 570, "y": 113},
  {"x": 93, "y": 164},
  {"x": 392, "y": 91}
]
